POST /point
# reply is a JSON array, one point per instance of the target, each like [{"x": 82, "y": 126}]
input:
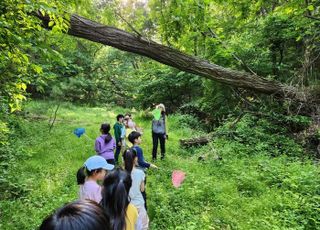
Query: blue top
[
  {"x": 141, "y": 161},
  {"x": 123, "y": 132}
]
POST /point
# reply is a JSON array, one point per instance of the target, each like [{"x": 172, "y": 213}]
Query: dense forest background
[
  {"x": 274, "y": 39},
  {"x": 277, "y": 40}
]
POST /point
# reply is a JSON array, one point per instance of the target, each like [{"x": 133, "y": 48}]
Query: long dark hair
[
  {"x": 83, "y": 172},
  {"x": 128, "y": 157},
  {"x": 81, "y": 214},
  {"x": 105, "y": 129},
  {"x": 115, "y": 197}
]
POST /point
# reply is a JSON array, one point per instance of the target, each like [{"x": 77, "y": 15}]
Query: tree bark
[
  {"x": 196, "y": 141},
  {"x": 107, "y": 35}
]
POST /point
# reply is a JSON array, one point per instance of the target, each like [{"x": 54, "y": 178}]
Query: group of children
[{"x": 120, "y": 202}]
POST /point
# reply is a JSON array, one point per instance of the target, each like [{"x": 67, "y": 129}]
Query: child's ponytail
[
  {"x": 128, "y": 157},
  {"x": 81, "y": 175},
  {"x": 105, "y": 129},
  {"x": 115, "y": 197},
  {"x": 83, "y": 172},
  {"x": 119, "y": 221},
  {"x": 108, "y": 138}
]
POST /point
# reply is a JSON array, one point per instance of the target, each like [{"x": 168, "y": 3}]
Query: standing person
[
  {"x": 118, "y": 130},
  {"x": 116, "y": 202},
  {"x": 137, "y": 175},
  {"x": 135, "y": 139},
  {"x": 159, "y": 133},
  {"x": 128, "y": 130},
  {"x": 131, "y": 123},
  {"x": 105, "y": 144},
  {"x": 94, "y": 170},
  {"x": 80, "y": 214}
]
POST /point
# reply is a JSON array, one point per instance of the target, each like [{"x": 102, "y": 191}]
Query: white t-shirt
[{"x": 136, "y": 197}]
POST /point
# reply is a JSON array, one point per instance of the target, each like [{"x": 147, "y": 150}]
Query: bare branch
[{"x": 312, "y": 17}]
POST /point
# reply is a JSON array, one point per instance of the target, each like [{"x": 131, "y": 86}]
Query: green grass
[{"x": 240, "y": 191}]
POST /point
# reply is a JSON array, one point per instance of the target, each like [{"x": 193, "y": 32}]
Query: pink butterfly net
[{"x": 178, "y": 177}]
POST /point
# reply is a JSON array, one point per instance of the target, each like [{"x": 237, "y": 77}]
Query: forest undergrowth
[{"x": 255, "y": 176}]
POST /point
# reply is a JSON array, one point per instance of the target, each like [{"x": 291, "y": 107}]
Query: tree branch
[
  {"x": 312, "y": 17},
  {"x": 107, "y": 35}
]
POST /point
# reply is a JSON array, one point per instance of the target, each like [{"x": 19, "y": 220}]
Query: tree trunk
[
  {"x": 195, "y": 141},
  {"x": 93, "y": 31}
]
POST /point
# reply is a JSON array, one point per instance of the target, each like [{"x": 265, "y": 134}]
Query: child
[
  {"x": 132, "y": 125},
  {"x": 118, "y": 131},
  {"x": 105, "y": 144},
  {"x": 130, "y": 122},
  {"x": 115, "y": 201},
  {"x": 81, "y": 214},
  {"x": 128, "y": 130},
  {"x": 130, "y": 161},
  {"x": 135, "y": 139},
  {"x": 94, "y": 169}
]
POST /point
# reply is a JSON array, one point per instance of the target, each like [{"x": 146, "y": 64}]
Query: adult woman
[{"x": 159, "y": 133}]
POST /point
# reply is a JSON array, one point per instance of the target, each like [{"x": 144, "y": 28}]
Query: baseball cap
[{"x": 97, "y": 162}]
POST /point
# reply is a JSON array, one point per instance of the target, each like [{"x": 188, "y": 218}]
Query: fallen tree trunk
[
  {"x": 93, "y": 31},
  {"x": 196, "y": 141}
]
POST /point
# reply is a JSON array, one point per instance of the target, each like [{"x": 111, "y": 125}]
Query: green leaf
[
  {"x": 37, "y": 69},
  {"x": 311, "y": 7},
  {"x": 25, "y": 58},
  {"x": 51, "y": 23},
  {"x": 42, "y": 12}
]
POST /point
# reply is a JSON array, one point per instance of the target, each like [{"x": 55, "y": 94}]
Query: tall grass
[{"x": 235, "y": 191}]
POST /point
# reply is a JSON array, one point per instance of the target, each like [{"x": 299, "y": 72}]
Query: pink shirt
[
  {"x": 90, "y": 190},
  {"x": 131, "y": 124}
]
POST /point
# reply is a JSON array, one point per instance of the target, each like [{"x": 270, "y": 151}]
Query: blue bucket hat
[{"x": 97, "y": 162}]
